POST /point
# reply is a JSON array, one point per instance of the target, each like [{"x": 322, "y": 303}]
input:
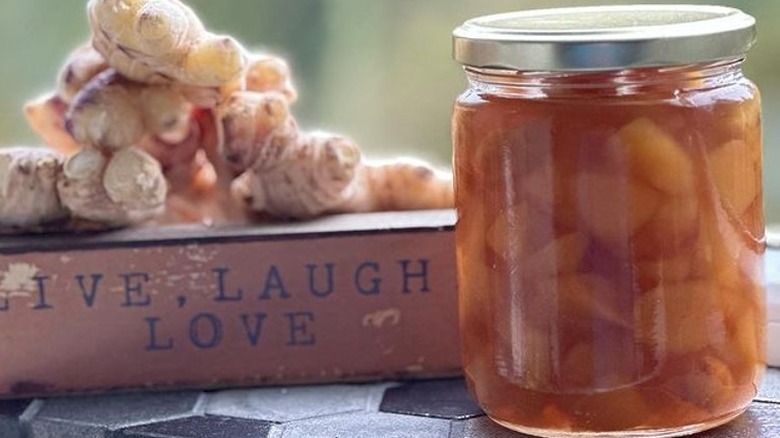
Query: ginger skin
[
  {"x": 119, "y": 190},
  {"x": 81, "y": 66},
  {"x": 112, "y": 113},
  {"x": 28, "y": 188},
  {"x": 162, "y": 41},
  {"x": 165, "y": 122},
  {"x": 400, "y": 185},
  {"x": 289, "y": 174},
  {"x": 46, "y": 116}
]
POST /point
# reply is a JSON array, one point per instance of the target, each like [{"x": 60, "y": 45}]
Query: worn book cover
[{"x": 352, "y": 297}]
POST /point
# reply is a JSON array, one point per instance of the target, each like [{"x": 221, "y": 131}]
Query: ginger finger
[
  {"x": 317, "y": 178},
  {"x": 81, "y": 66},
  {"x": 162, "y": 41},
  {"x": 264, "y": 73},
  {"x": 117, "y": 190},
  {"x": 112, "y": 112},
  {"x": 401, "y": 185},
  {"x": 46, "y": 116},
  {"x": 177, "y": 158},
  {"x": 247, "y": 120},
  {"x": 28, "y": 188},
  {"x": 290, "y": 174},
  {"x": 199, "y": 181},
  {"x": 105, "y": 114},
  {"x": 322, "y": 173}
]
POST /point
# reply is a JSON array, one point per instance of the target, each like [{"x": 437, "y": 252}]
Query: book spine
[{"x": 284, "y": 310}]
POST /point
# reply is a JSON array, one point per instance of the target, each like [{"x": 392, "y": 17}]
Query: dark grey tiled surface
[
  {"x": 209, "y": 426},
  {"x": 427, "y": 409},
  {"x": 88, "y": 417},
  {"x": 762, "y": 420},
  {"x": 10, "y": 411},
  {"x": 435, "y": 398},
  {"x": 369, "y": 425},
  {"x": 482, "y": 427},
  {"x": 770, "y": 391},
  {"x": 288, "y": 404}
]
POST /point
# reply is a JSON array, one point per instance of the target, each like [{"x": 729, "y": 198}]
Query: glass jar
[{"x": 610, "y": 226}]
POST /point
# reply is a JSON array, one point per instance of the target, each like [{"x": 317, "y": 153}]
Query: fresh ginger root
[
  {"x": 264, "y": 73},
  {"x": 166, "y": 122},
  {"x": 111, "y": 112},
  {"x": 121, "y": 189},
  {"x": 400, "y": 185},
  {"x": 46, "y": 115},
  {"x": 297, "y": 175},
  {"x": 28, "y": 188},
  {"x": 162, "y": 41},
  {"x": 81, "y": 66}
]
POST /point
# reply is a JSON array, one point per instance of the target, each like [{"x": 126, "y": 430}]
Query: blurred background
[{"x": 377, "y": 70}]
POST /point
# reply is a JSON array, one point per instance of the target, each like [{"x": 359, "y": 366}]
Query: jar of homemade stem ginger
[{"x": 610, "y": 221}]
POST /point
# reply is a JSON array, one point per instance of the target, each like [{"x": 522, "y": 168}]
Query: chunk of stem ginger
[
  {"x": 589, "y": 297},
  {"x": 736, "y": 172},
  {"x": 507, "y": 237},
  {"x": 682, "y": 317},
  {"x": 656, "y": 158},
  {"x": 673, "y": 226},
  {"x": 613, "y": 208}
]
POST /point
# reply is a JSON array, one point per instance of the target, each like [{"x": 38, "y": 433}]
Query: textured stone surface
[
  {"x": 435, "y": 398},
  {"x": 209, "y": 426},
  {"x": 482, "y": 427},
  {"x": 373, "y": 425},
  {"x": 762, "y": 420},
  {"x": 10, "y": 411},
  {"x": 770, "y": 390},
  {"x": 94, "y": 417},
  {"x": 295, "y": 403},
  {"x": 425, "y": 409}
]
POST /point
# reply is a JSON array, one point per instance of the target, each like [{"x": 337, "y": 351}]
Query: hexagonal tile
[
  {"x": 10, "y": 411},
  {"x": 371, "y": 425},
  {"x": 96, "y": 416},
  {"x": 209, "y": 426},
  {"x": 288, "y": 404},
  {"x": 770, "y": 390},
  {"x": 482, "y": 427},
  {"x": 761, "y": 420},
  {"x": 432, "y": 398}
]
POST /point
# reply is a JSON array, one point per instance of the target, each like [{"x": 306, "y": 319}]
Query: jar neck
[{"x": 512, "y": 83}]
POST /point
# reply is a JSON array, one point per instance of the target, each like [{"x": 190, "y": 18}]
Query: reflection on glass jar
[{"x": 610, "y": 231}]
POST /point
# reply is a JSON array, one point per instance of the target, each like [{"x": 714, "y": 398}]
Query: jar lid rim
[{"x": 604, "y": 37}]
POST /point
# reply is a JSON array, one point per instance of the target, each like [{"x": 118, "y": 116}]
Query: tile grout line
[
  {"x": 195, "y": 411},
  {"x": 457, "y": 428},
  {"x": 767, "y": 401},
  {"x": 31, "y": 411},
  {"x": 200, "y": 404}
]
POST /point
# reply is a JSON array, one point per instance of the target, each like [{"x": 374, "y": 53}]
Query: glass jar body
[{"x": 609, "y": 245}]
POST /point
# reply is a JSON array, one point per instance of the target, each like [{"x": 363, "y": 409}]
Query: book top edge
[{"x": 330, "y": 226}]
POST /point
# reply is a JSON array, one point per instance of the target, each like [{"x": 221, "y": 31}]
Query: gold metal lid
[{"x": 604, "y": 37}]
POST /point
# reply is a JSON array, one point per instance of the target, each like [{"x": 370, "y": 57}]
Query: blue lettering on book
[
  {"x": 135, "y": 295},
  {"x": 89, "y": 293},
  {"x": 366, "y": 283},
  {"x": 316, "y": 288},
  {"x": 208, "y": 330}
]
